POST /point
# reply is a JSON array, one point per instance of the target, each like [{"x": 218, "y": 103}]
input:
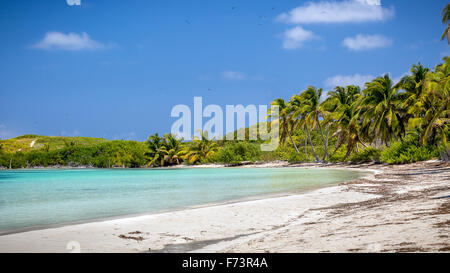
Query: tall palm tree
[
  {"x": 445, "y": 19},
  {"x": 341, "y": 106},
  {"x": 433, "y": 114},
  {"x": 313, "y": 111},
  {"x": 413, "y": 87},
  {"x": 380, "y": 111},
  {"x": 286, "y": 122}
]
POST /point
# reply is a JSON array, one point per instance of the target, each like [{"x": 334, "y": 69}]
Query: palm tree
[
  {"x": 155, "y": 144},
  {"x": 200, "y": 150},
  {"x": 313, "y": 112},
  {"x": 445, "y": 19},
  {"x": 413, "y": 85},
  {"x": 172, "y": 150},
  {"x": 286, "y": 122},
  {"x": 380, "y": 111},
  {"x": 433, "y": 114},
  {"x": 341, "y": 105}
]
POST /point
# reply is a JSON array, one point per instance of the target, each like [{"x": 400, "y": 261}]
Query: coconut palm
[
  {"x": 200, "y": 150},
  {"x": 445, "y": 19},
  {"x": 413, "y": 85},
  {"x": 165, "y": 150},
  {"x": 432, "y": 111},
  {"x": 286, "y": 120},
  {"x": 155, "y": 144},
  {"x": 380, "y": 111},
  {"x": 341, "y": 106},
  {"x": 172, "y": 150},
  {"x": 313, "y": 112}
]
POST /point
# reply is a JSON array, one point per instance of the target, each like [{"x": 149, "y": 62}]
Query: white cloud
[
  {"x": 344, "y": 80},
  {"x": 233, "y": 75},
  {"x": 366, "y": 42},
  {"x": 70, "y": 41},
  {"x": 347, "y": 11},
  {"x": 73, "y": 2},
  {"x": 295, "y": 37}
]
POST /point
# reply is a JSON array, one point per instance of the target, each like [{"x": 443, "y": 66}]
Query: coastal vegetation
[
  {"x": 385, "y": 121},
  {"x": 388, "y": 122}
]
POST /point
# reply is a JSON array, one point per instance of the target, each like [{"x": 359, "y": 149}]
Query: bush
[
  {"x": 340, "y": 154},
  {"x": 295, "y": 157},
  {"x": 237, "y": 152},
  {"x": 367, "y": 155},
  {"x": 408, "y": 152}
]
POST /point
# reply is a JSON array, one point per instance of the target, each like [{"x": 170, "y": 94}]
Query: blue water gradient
[{"x": 39, "y": 198}]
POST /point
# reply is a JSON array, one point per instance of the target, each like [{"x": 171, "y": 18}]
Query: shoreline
[
  {"x": 368, "y": 173},
  {"x": 301, "y": 222}
]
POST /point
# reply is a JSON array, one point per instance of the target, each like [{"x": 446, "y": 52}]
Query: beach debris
[{"x": 138, "y": 238}]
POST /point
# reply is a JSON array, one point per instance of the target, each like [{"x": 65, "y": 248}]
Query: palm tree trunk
[
  {"x": 336, "y": 149},
  {"x": 306, "y": 144},
  {"x": 312, "y": 145},
  {"x": 295, "y": 146},
  {"x": 323, "y": 139},
  {"x": 326, "y": 142}
]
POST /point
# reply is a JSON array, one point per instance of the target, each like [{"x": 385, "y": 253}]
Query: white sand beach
[{"x": 396, "y": 209}]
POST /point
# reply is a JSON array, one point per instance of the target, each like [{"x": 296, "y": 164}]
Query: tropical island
[
  {"x": 357, "y": 169},
  {"x": 386, "y": 122}
]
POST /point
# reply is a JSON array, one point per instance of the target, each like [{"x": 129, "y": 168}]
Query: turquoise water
[{"x": 39, "y": 198}]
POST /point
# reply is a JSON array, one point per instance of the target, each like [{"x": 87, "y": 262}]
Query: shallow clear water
[{"x": 38, "y": 198}]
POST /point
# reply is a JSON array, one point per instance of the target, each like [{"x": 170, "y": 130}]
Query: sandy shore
[{"x": 397, "y": 209}]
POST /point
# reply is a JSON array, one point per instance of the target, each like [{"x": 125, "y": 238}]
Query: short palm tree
[
  {"x": 200, "y": 150},
  {"x": 155, "y": 144},
  {"x": 172, "y": 150}
]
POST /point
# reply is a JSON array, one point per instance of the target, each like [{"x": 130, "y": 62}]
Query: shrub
[
  {"x": 340, "y": 154},
  {"x": 408, "y": 152},
  {"x": 237, "y": 152},
  {"x": 367, "y": 155},
  {"x": 295, "y": 157}
]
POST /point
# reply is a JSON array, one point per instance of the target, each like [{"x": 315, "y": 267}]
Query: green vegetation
[
  {"x": 408, "y": 152},
  {"x": 237, "y": 152},
  {"x": 389, "y": 122}
]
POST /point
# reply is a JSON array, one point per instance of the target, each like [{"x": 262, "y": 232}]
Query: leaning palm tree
[
  {"x": 445, "y": 19},
  {"x": 286, "y": 120},
  {"x": 380, "y": 111},
  {"x": 313, "y": 113}
]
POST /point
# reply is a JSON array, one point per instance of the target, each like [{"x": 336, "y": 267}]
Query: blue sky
[{"x": 115, "y": 69}]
